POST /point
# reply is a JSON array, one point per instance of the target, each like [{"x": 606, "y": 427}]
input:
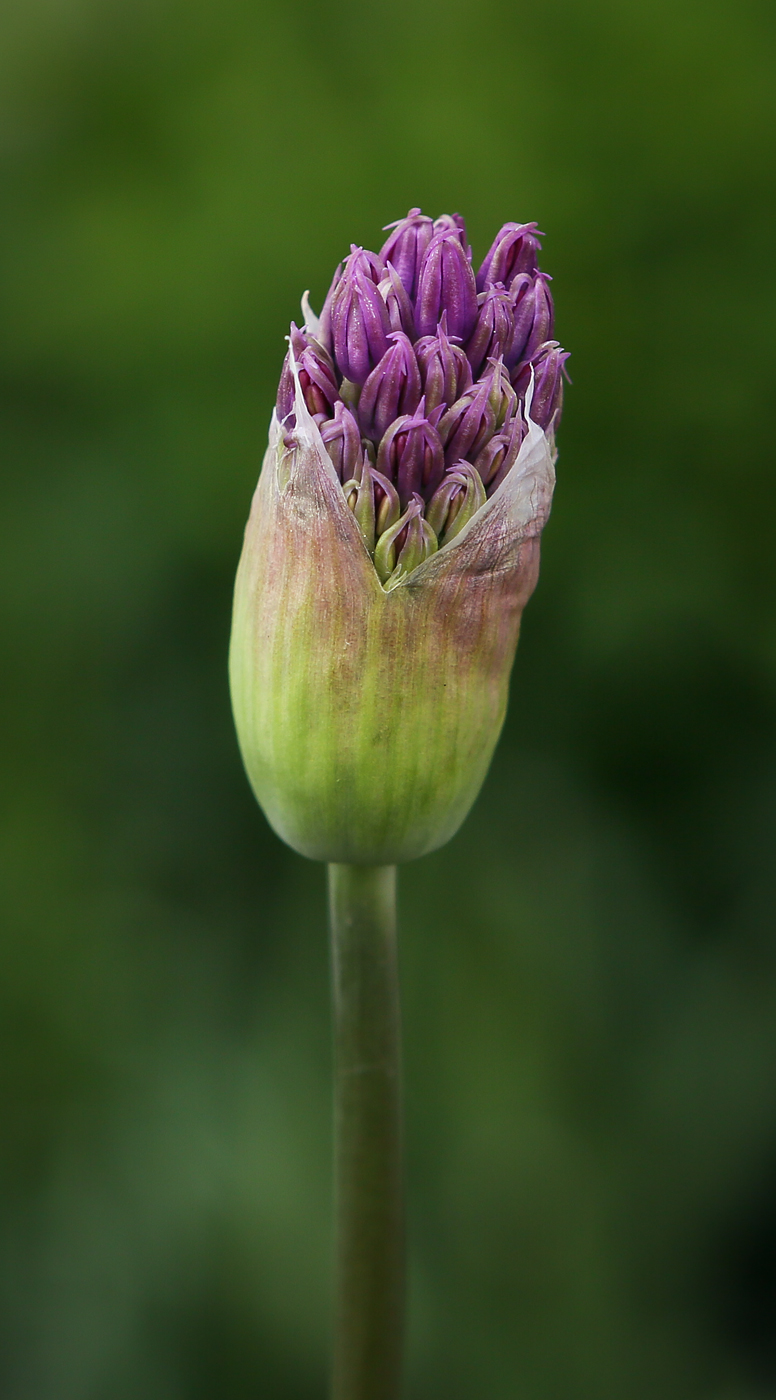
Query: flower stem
[{"x": 369, "y": 1204}]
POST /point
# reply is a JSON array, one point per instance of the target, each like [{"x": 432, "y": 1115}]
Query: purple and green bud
[
  {"x": 400, "y": 310},
  {"x": 492, "y": 336},
  {"x": 404, "y": 545},
  {"x": 500, "y": 454},
  {"x": 501, "y": 396},
  {"x": 549, "y": 370},
  {"x": 394, "y": 541},
  {"x": 411, "y": 454},
  {"x": 469, "y": 424},
  {"x": 392, "y": 389},
  {"x": 316, "y": 376},
  {"x": 406, "y": 247},
  {"x": 513, "y": 250},
  {"x": 533, "y": 316},
  {"x": 446, "y": 283},
  {"x": 360, "y": 324},
  {"x": 453, "y": 504},
  {"x": 342, "y": 440},
  {"x": 444, "y": 368},
  {"x": 359, "y": 492}
]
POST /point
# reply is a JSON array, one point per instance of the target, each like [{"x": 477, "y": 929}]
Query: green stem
[{"x": 369, "y": 1204}]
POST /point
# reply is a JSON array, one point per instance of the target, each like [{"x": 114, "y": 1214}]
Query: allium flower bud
[
  {"x": 469, "y": 424},
  {"x": 379, "y": 593},
  {"x": 410, "y": 453},
  {"x": 548, "y": 369},
  {"x": 342, "y": 440},
  {"x": 446, "y": 283},
  {"x": 370, "y": 264},
  {"x": 444, "y": 368},
  {"x": 359, "y": 492},
  {"x": 393, "y": 388},
  {"x": 387, "y": 503},
  {"x": 316, "y": 376},
  {"x": 501, "y": 396},
  {"x": 455, "y": 501},
  {"x": 500, "y": 454},
  {"x": 406, "y": 246},
  {"x": 454, "y": 223},
  {"x": 492, "y": 336},
  {"x": 399, "y": 306},
  {"x": 404, "y": 545},
  {"x": 533, "y": 316},
  {"x": 513, "y": 250},
  {"x": 360, "y": 324}
]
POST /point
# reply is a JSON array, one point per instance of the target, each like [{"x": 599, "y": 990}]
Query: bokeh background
[{"x": 589, "y": 968}]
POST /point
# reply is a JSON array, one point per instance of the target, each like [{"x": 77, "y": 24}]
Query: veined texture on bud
[{"x": 391, "y": 547}]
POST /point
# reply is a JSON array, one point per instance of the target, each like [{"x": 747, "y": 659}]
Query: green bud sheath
[{"x": 367, "y": 718}]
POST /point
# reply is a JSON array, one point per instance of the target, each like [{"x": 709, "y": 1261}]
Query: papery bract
[{"x": 367, "y": 718}]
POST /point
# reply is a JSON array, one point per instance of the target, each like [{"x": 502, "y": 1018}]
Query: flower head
[{"x": 394, "y": 538}]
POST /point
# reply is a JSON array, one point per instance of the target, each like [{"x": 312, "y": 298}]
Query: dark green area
[{"x": 590, "y": 967}]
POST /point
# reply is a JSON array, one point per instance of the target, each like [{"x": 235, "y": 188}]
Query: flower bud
[
  {"x": 342, "y": 440},
  {"x": 499, "y": 455},
  {"x": 455, "y": 501},
  {"x": 370, "y": 264},
  {"x": 469, "y": 424},
  {"x": 387, "y": 503},
  {"x": 379, "y": 596},
  {"x": 410, "y": 453},
  {"x": 446, "y": 283},
  {"x": 360, "y": 325},
  {"x": 513, "y": 250},
  {"x": 359, "y": 492},
  {"x": 405, "y": 545},
  {"x": 456, "y": 224},
  {"x": 492, "y": 335},
  {"x": 444, "y": 367},
  {"x": 406, "y": 246},
  {"x": 400, "y": 310},
  {"x": 501, "y": 396},
  {"x": 533, "y": 316},
  {"x": 549, "y": 371},
  {"x": 392, "y": 389},
  {"x": 316, "y": 376}
]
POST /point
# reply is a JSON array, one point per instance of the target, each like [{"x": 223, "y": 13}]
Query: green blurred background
[{"x": 589, "y": 968}]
